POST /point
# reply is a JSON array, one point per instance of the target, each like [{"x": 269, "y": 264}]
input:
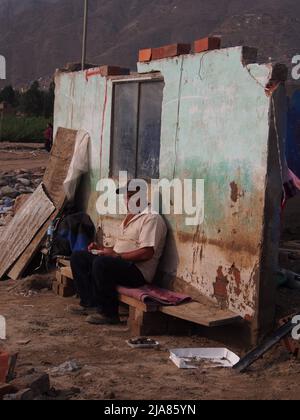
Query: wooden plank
[
  {"x": 23, "y": 228},
  {"x": 206, "y": 315},
  {"x": 56, "y": 172},
  {"x": 24, "y": 260},
  {"x": 67, "y": 272},
  {"x": 63, "y": 262},
  {"x": 152, "y": 307},
  {"x": 59, "y": 163}
]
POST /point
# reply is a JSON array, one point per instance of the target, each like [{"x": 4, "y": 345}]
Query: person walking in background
[{"x": 48, "y": 135}]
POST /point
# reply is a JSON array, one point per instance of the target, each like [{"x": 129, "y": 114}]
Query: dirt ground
[
  {"x": 40, "y": 328},
  {"x": 22, "y": 156},
  {"x": 109, "y": 369}
]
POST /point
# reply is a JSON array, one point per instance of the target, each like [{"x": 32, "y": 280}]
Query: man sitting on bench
[{"x": 131, "y": 263}]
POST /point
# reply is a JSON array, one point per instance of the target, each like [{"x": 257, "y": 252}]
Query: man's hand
[
  {"x": 94, "y": 246},
  {"x": 108, "y": 252}
]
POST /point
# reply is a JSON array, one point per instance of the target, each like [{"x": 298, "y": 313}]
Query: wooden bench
[{"x": 154, "y": 319}]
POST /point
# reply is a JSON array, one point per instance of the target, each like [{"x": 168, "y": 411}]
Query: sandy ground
[
  {"x": 109, "y": 369},
  {"x": 22, "y": 156}
]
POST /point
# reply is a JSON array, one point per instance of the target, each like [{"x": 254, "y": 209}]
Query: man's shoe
[
  {"x": 81, "y": 310},
  {"x": 98, "y": 319}
]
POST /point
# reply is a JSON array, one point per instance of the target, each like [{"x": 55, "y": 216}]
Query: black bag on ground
[{"x": 74, "y": 233}]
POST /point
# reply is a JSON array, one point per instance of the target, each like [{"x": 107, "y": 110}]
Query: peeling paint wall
[
  {"x": 215, "y": 126},
  {"x": 85, "y": 103}
]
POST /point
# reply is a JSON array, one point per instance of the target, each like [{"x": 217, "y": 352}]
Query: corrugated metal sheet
[{"x": 24, "y": 227}]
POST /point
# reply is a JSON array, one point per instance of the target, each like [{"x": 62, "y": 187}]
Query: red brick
[
  {"x": 106, "y": 71},
  {"x": 207, "y": 44},
  {"x": 145, "y": 55},
  {"x": 113, "y": 71},
  {"x": 170, "y": 51}
]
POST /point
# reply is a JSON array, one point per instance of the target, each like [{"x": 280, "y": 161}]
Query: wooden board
[
  {"x": 23, "y": 228},
  {"x": 63, "y": 262},
  {"x": 59, "y": 163},
  {"x": 207, "y": 315},
  {"x": 56, "y": 172},
  {"x": 24, "y": 260},
  {"x": 145, "y": 307},
  {"x": 67, "y": 272}
]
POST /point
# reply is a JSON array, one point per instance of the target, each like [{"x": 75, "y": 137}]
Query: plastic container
[
  {"x": 213, "y": 357},
  {"x": 4, "y": 360},
  {"x": 142, "y": 343}
]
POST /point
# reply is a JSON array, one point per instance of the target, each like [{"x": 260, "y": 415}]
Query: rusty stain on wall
[
  {"x": 234, "y": 192},
  {"x": 220, "y": 288},
  {"x": 236, "y": 274}
]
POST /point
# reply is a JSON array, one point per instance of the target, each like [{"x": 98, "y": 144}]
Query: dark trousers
[{"x": 97, "y": 277}]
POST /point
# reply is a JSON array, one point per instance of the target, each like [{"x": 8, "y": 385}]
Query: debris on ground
[
  {"x": 33, "y": 284},
  {"x": 20, "y": 175},
  {"x": 34, "y": 386},
  {"x": 23, "y": 342},
  {"x": 65, "y": 368},
  {"x": 142, "y": 343},
  {"x": 13, "y": 185}
]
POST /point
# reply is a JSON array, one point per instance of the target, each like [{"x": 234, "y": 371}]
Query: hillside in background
[{"x": 38, "y": 36}]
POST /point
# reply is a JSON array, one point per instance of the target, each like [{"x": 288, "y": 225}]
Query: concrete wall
[{"x": 216, "y": 126}]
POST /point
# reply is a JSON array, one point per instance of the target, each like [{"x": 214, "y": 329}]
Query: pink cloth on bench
[{"x": 154, "y": 294}]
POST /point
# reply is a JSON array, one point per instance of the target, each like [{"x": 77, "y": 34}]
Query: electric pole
[{"x": 84, "y": 36}]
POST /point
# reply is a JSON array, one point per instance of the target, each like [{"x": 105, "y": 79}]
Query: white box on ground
[{"x": 217, "y": 357}]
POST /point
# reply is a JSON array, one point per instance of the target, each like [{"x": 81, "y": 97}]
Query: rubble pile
[
  {"x": 34, "y": 385},
  {"x": 13, "y": 185}
]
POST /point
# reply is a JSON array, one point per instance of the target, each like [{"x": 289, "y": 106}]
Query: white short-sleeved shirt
[{"x": 145, "y": 230}]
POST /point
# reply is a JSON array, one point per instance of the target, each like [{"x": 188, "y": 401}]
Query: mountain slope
[{"x": 37, "y": 36}]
